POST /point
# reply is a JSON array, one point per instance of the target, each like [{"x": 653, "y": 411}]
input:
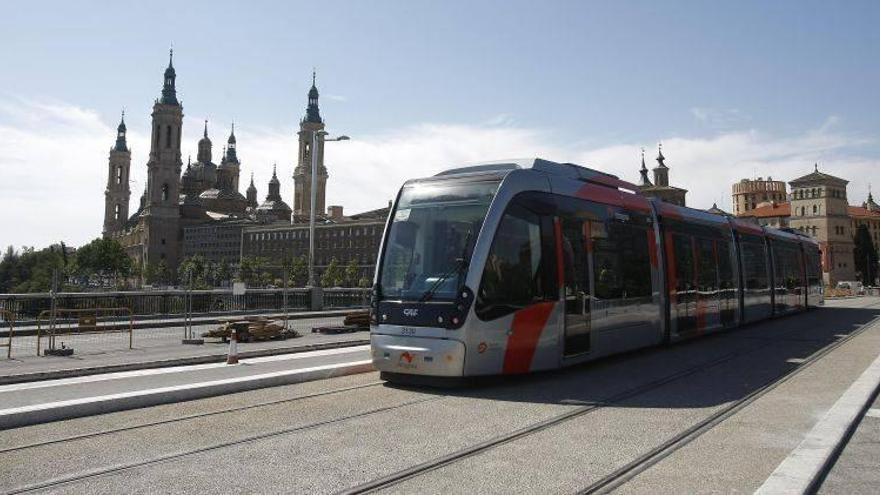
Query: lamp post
[{"x": 316, "y": 137}]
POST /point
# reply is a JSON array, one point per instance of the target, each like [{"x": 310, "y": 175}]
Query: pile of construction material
[
  {"x": 251, "y": 328},
  {"x": 358, "y": 321}
]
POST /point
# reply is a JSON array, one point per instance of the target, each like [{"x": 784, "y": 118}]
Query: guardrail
[
  {"x": 173, "y": 301},
  {"x": 9, "y": 318},
  {"x": 86, "y": 321}
]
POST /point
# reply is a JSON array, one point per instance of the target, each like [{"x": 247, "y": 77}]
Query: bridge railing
[{"x": 158, "y": 303}]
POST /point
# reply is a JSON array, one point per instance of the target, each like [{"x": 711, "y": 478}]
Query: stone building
[
  {"x": 344, "y": 238},
  {"x": 172, "y": 201},
  {"x": 273, "y": 208},
  {"x": 218, "y": 241},
  {"x": 660, "y": 188},
  {"x": 749, "y": 194},
  {"x": 819, "y": 207},
  {"x": 309, "y": 126},
  {"x": 117, "y": 194},
  {"x": 200, "y": 211}
]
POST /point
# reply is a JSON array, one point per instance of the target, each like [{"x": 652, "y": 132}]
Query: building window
[
  {"x": 814, "y": 209},
  {"x": 117, "y": 211},
  {"x": 168, "y": 137},
  {"x": 164, "y": 192},
  {"x": 119, "y": 175}
]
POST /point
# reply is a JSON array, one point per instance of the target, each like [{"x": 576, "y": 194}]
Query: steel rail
[
  {"x": 186, "y": 418},
  {"x": 170, "y": 457},
  {"x": 622, "y": 475},
  {"x": 479, "y": 448}
]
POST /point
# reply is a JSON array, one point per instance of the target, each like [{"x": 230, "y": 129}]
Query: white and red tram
[{"x": 514, "y": 267}]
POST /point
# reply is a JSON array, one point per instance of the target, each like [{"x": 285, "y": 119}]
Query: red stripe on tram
[
  {"x": 652, "y": 248},
  {"x": 528, "y": 323}
]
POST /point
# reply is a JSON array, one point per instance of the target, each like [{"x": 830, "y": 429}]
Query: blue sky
[{"x": 748, "y": 87}]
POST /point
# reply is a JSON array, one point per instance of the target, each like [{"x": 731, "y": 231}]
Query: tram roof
[{"x": 567, "y": 170}]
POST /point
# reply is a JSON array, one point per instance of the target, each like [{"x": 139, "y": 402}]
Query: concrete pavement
[
  {"x": 334, "y": 435},
  {"x": 158, "y": 347}
]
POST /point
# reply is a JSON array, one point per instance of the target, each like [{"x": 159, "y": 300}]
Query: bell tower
[
  {"x": 117, "y": 194},
  {"x": 311, "y": 125},
  {"x": 162, "y": 210}
]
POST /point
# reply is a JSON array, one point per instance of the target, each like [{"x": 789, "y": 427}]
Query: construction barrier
[
  {"x": 9, "y": 318},
  {"x": 78, "y": 321}
]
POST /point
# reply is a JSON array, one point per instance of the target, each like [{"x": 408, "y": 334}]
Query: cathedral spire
[
  {"x": 660, "y": 158},
  {"x": 313, "y": 114},
  {"x": 169, "y": 92},
  {"x": 206, "y": 128},
  {"x": 645, "y": 181},
  {"x": 230, "y": 146},
  {"x": 121, "y": 144}
]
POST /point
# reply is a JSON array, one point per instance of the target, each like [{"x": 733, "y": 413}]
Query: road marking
[
  {"x": 175, "y": 388},
  {"x": 87, "y": 406},
  {"x": 175, "y": 369},
  {"x": 803, "y": 466}
]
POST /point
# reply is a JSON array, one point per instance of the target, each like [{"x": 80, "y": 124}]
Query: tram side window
[
  {"x": 725, "y": 267},
  {"x": 684, "y": 262},
  {"x": 516, "y": 274},
  {"x": 707, "y": 275},
  {"x": 621, "y": 261},
  {"x": 754, "y": 266}
]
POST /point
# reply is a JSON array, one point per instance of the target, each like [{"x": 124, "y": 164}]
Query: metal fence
[{"x": 26, "y": 307}]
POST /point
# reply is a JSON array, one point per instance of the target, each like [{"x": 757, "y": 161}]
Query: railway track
[
  {"x": 620, "y": 476},
  {"x": 604, "y": 485},
  {"x": 56, "y": 483}
]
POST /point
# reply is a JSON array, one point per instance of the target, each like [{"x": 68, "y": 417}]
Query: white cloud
[{"x": 53, "y": 162}]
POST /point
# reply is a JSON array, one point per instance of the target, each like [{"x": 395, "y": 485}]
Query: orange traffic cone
[{"x": 232, "y": 357}]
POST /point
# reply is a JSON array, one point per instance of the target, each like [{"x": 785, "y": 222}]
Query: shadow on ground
[{"x": 745, "y": 360}]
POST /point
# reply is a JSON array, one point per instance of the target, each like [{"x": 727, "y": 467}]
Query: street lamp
[{"x": 322, "y": 137}]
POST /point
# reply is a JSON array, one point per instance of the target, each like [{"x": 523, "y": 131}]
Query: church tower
[
  {"x": 311, "y": 126},
  {"x": 252, "y": 193},
  {"x": 230, "y": 166},
  {"x": 117, "y": 194},
  {"x": 661, "y": 171},
  {"x": 161, "y": 214}
]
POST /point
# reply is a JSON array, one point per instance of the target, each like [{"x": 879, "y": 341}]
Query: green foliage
[
  {"x": 352, "y": 274},
  {"x": 865, "y": 255},
  {"x": 333, "y": 276},
  {"x": 194, "y": 272},
  {"x": 102, "y": 260},
  {"x": 30, "y": 270},
  {"x": 252, "y": 271},
  {"x": 364, "y": 282},
  {"x": 298, "y": 271}
]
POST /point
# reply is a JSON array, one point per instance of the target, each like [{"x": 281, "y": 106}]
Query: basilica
[{"x": 184, "y": 209}]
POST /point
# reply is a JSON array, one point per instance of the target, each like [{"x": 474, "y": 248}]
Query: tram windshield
[{"x": 431, "y": 239}]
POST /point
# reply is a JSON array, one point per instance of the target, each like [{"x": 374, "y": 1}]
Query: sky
[{"x": 733, "y": 90}]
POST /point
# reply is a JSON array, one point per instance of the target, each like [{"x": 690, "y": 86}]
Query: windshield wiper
[{"x": 460, "y": 265}]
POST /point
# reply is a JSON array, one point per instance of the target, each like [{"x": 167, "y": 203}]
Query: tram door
[{"x": 575, "y": 236}]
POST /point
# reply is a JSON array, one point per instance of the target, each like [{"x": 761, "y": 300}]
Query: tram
[{"x": 520, "y": 266}]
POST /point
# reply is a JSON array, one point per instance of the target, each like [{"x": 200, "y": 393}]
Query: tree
[
  {"x": 30, "y": 270},
  {"x": 251, "y": 270},
  {"x": 364, "y": 282},
  {"x": 224, "y": 272},
  {"x": 865, "y": 255},
  {"x": 104, "y": 259},
  {"x": 298, "y": 271},
  {"x": 333, "y": 275},
  {"x": 352, "y": 273},
  {"x": 163, "y": 274},
  {"x": 192, "y": 271}
]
